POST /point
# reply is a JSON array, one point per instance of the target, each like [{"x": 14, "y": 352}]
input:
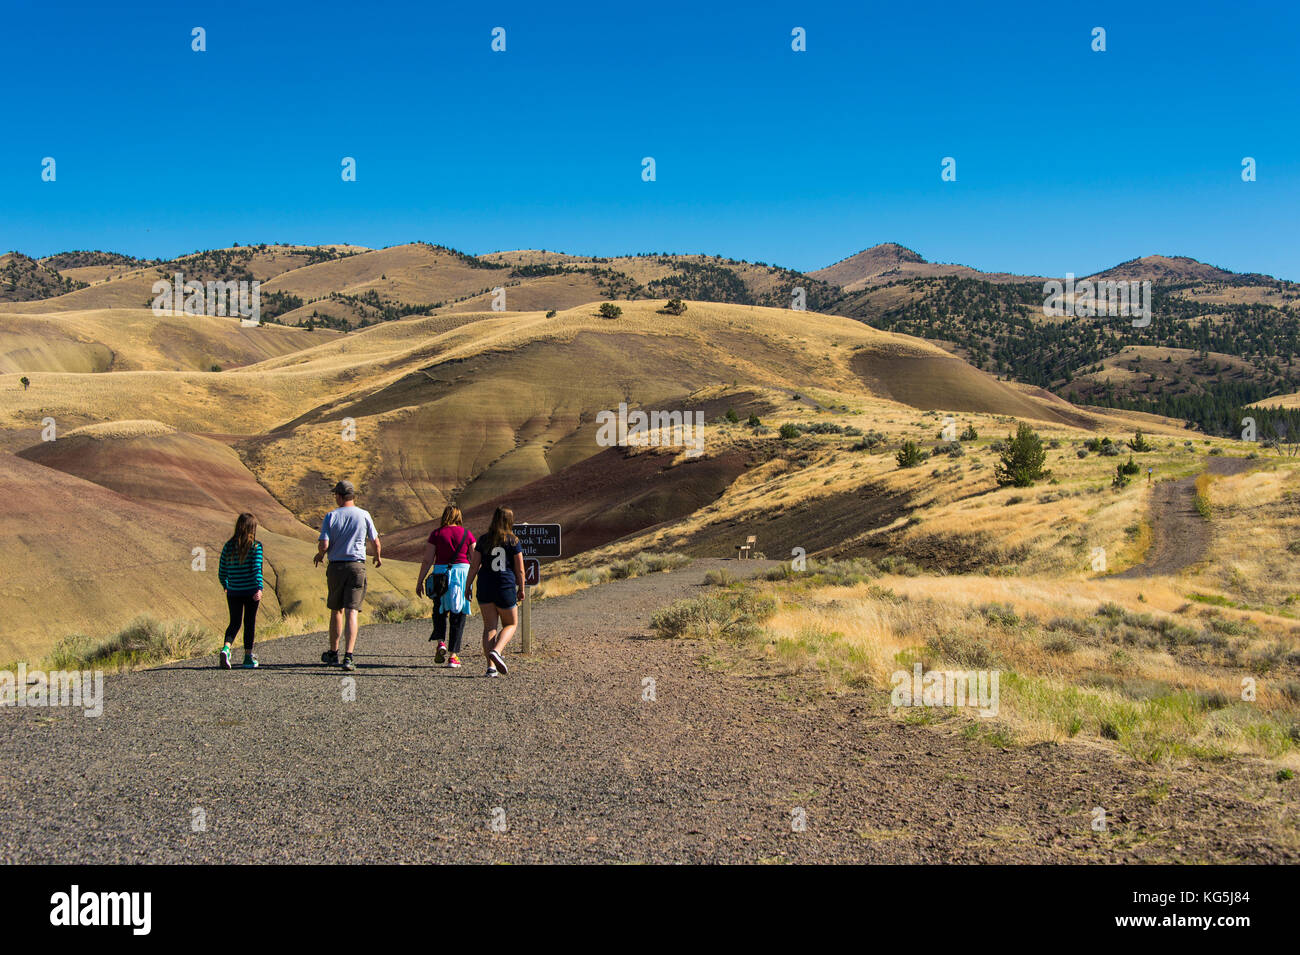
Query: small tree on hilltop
[
  {"x": 609, "y": 310},
  {"x": 24, "y": 382},
  {"x": 1140, "y": 443},
  {"x": 1022, "y": 459},
  {"x": 675, "y": 306}
]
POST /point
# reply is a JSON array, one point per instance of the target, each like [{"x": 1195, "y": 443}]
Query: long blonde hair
[
  {"x": 245, "y": 536},
  {"x": 451, "y": 516}
]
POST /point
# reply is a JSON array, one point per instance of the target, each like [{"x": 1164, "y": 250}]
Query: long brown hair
[
  {"x": 245, "y": 535},
  {"x": 451, "y": 515},
  {"x": 502, "y": 529}
]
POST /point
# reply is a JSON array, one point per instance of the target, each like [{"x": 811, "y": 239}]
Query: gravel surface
[
  {"x": 1180, "y": 535},
  {"x": 573, "y": 765}
]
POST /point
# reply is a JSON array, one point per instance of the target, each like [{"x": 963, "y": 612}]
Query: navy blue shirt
[{"x": 498, "y": 579}]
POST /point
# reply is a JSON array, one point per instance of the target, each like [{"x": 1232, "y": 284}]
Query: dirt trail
[
  {"x": 569, "y": 755},
  {"x": 1180, "y": 536}
]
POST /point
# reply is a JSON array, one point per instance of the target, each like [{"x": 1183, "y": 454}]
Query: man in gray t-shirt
[{"x": 343, "y": 536}]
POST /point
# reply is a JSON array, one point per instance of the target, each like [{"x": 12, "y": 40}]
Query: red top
[{"x": 452, "y": 544}]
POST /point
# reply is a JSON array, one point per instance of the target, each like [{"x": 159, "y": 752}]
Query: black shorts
[
  {"x": 501, "y": 593},
  {"x": 347, "y": 584}
]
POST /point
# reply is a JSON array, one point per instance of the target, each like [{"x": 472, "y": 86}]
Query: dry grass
[{"x": 1162, "y": 679}]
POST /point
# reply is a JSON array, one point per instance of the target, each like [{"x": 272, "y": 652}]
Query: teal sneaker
[
  {"x": 223, "y": 658},
  {"x": 250, "y": 662}
]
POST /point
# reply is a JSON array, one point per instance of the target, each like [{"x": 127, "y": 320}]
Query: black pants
[
  {"x": 457, "y": 629},
  {"x": 242, "y": 605}
]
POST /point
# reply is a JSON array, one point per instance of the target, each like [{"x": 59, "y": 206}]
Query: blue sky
[{"x": 1067, "y": 159}]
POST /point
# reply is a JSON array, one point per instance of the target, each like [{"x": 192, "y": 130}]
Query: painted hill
[{"x": 479, "y": 408}]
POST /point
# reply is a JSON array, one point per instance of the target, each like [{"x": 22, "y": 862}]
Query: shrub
[
  {"x": 1022, "y": 460},
  {"x": 647, "y": 563},
  {"x": 754, "y": 422},
  {"x": 1141, "y": 444},
  {"x": 961, "y": 649},
  {"x": 731, "y": 416},
  {"x": 1061, "y": 643},
  {"x": 996, "y": 614},
  {"x": 910, "y": 455},
  {"x": 969, "y": 433},
  {"x": 394, "y": 608},
  {"x": 833, "y": 573},
  {"x": 675, "y": 306},
  {"x": 609, "y": 310},
  {"x": 143, "y": 641},
  {"x": 731, "y": 614},
  {"x": 551, "y": 313},
  {"x": 789, "y": 432},
  {"x": 869, "y": 442}
]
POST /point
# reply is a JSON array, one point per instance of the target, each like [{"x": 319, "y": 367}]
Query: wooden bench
[{"x": 746, "y": 550}]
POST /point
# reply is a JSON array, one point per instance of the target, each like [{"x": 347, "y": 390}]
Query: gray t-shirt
[{"x": 346, "y": 528}]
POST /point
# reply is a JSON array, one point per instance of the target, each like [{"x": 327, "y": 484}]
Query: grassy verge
[
  {"x": 638, "y": 565},
  {"x": 147, "y": 642},
  {"x": 1161, "y": 686}
]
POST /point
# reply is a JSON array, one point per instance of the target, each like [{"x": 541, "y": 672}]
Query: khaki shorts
[{"x": 347, "y": 584}]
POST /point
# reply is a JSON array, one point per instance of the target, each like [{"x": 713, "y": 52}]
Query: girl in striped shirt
[{"x": 240, "y": 573}]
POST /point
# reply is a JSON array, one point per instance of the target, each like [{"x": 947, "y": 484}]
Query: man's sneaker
[
  {"x": 223, "y": 658},
  {"x": 347, "y": 662},
  {"x": 454, "y": 662},
  {"x": 331, "y": 657},
  {"x": 441, "y": 653},
  {"x": 250, "y": 662},
  {"x": 492, "y": 671},
  {"x": 496, "y": 658}
]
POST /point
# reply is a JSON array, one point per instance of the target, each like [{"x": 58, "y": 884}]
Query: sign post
[
  {"x": 532, "y": 576},
  {"x": 537, "y": 540}
]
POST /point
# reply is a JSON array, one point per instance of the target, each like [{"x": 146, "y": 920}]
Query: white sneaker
[
  {"x": 492, "y": 671},
  {"x": 501, "y": 664}
]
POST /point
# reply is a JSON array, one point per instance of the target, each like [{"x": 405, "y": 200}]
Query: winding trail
[
  {"x": 581, "y": 766},
  {"x": 1180, "y": 536}
]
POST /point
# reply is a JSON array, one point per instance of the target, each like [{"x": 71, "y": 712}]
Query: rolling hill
[
  {"x": 478, "y": 408},
  {"x": 431, "y": 396}
]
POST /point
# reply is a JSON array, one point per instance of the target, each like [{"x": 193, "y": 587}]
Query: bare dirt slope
[{"x": 577, "y": 765}]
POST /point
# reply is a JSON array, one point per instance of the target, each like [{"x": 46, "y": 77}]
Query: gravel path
[{"x": 573, "y": 763}]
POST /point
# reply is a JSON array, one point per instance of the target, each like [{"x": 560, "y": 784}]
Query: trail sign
[
  {"x": 532, "y": 571},
  {"x": 539, "y": 540}
]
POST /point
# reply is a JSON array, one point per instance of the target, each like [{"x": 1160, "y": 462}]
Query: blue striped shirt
[{"x": 241, "y": 576}]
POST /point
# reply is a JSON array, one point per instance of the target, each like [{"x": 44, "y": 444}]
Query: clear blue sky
[{"x": 1067, "y": 160}]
